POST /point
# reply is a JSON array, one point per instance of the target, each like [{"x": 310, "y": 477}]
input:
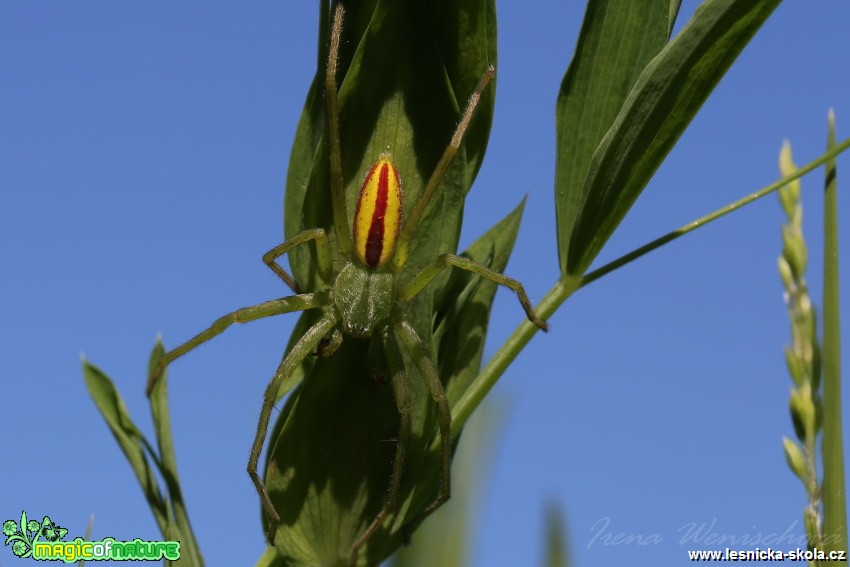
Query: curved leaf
[
  {"x": 617, "y": 39},
  {"x": 663, "y": 101},
  {"x": 133, "y": 444}
]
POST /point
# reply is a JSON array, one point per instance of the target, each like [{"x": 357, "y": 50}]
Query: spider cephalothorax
[{"x": 363, "y": 299}]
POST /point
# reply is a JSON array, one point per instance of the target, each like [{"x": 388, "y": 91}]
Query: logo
[{"x": 45, "y": 541}]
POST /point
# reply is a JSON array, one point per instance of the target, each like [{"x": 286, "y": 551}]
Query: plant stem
[
  {"x": 506, "y": 354},
  {"x": 681, "y": 231},
  {"x": 562, "y": 289},
  {"x": 833, "y": 498}
]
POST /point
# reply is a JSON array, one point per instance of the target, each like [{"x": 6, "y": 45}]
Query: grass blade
[
  {"x": 129, "y": 438},
  {"x": 557, "y": 548},
  {"x": 834, "y": 503},
  {"x": 170, "y": 514},
  {"x": 190, "y": 553}
]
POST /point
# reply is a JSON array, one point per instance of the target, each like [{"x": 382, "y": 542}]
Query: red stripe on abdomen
[{"x": 375, "y": 240}]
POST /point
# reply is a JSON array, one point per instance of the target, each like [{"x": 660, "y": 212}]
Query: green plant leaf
[
  {"x": 834, "y": 491},
  {"x": 170, "y": 514},
  {"x": 464, "y": 306},
  {"x": 134, "y": 445},
  {"x": 557, "y": 549},
  {"x": 617, "y": 40},
  {"x": 663, "y": 101},
  {"x": 332, "y": 451},
  {"x": 673, "y": 13},
  {"x": 179, "y": 529}
]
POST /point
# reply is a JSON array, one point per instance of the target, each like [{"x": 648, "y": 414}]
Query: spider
[{"x": 364, "y": 298}]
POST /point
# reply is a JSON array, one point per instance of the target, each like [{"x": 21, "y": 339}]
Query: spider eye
[{"x": 378, "y": 214}]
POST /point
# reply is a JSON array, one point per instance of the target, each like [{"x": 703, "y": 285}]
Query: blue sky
[{"x": 143, "y": 150}]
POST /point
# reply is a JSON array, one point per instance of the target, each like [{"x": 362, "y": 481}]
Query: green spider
[{"x": 363, "y": 299}]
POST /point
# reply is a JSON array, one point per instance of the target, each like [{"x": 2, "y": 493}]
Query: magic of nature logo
[{"x": 45, "y": 541}]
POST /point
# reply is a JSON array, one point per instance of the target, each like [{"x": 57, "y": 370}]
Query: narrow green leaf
[
  {"x": 834, "y": 492},
  {"x": 311, "y": 130},
  {"x": 190, "y": 553},
  {"x": 557, "y": 551},
  {"x": 87, "y": 537},
  {"x": 662, "y": 103},
  {"x": 673, "y": 14},
  {"x": 169, "y": 514},
  {"x": 618, "y": 38},
  {"x": 464, "y": 306},
  {"x": 129, "y": 438}
]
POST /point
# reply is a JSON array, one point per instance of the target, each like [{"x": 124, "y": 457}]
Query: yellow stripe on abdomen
[{"x": 378, "y": 214}]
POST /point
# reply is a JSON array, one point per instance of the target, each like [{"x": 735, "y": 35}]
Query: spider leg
[
  {"x": 419, "y": 352},
  {"x": 443, "y": 261},
  {"x": 302, "y": 349},
  {"x": 323, "y": 255},
  {"x": 341, "y": 228},
  {"x": 405, "y": 410},
  {"x": 244, "y": 315},
  {"x": 412, "y": 220}
]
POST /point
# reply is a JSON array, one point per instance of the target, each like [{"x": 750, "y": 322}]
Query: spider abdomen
[{"x": 378, "y": 214}]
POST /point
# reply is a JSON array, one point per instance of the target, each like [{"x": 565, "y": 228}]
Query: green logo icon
[
  {"x": 23, "y": 538},
  {"x": 45, "y": 541}
]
